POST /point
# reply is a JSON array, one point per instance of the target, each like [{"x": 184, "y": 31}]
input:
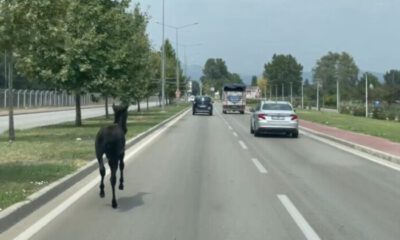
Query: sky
[{"x": 246, "y": 33}]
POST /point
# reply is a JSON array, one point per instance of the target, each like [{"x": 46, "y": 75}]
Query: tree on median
[{"x": 284, "y": 70}]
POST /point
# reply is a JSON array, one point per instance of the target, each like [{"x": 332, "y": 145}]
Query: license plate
[
  {"x": 277, "y": 118},
  {"x": 202, "y": 106}
]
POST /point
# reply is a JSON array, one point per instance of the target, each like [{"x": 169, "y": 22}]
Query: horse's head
[{"x": 121, "y": 116}]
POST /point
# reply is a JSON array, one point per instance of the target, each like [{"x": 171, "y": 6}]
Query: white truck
[{"x": 234, "y": 98}]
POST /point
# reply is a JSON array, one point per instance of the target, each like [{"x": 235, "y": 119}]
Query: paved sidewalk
[
  {"x": 19, "y": 111},
  {"x": 371, "y": 142}
]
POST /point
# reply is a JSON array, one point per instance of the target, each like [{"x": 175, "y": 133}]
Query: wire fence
[{"x": 28, "y": 98}]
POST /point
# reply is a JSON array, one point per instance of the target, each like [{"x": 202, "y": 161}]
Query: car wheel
[
  {"x": 295, "y": 134},
  {"x": 256, "y": 133},
  {"x": 211, "y": 113},
  {"x": 193, "y": 113},
  {"x": 224, "y": 112},
  {"x": 241, "y": 112}
]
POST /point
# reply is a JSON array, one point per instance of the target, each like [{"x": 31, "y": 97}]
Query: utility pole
[
  {"x": 337, "y": 91},
  {"x": 5, "y": 69},
  {"x": 291, "y": 93},
  {"x": 366, "y": 95},
  {"x": 318, "y": 96},
  {"x": 11, "y": 131},
  {"x": 270, "y": 92},
  {"x": 302, "y": 94},
  {"x": 177, "y": 93},
  {"x": 276, "y": 92},
  {"x": 283, "y": 92},
  {"x": 163, "y": 61}
]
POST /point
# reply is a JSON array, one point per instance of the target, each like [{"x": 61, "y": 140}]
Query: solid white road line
[
  {"x": 259, "y": 166},
  {"x": 36, "y": 227},
  {"x": 307, "y": 230},
  {"x": 243, "y": 145},
  {"x": 235, "y": 134}
]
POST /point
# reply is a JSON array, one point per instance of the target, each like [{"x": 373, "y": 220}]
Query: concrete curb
[
  {"x": 14, "y": 213},
  {"x": 368, "y": 150}
]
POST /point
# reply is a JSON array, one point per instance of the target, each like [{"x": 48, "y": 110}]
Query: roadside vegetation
[
  {"x": 380, "y": 128},
  {"x": 45, "y": 154},
  {"x": 80, "y": 47}
]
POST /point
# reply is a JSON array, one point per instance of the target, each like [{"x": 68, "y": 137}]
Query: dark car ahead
[{"x": 203, "y": 104}]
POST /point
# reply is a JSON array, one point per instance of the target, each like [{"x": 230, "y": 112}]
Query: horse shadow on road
[{"x": 128, "y": 203}]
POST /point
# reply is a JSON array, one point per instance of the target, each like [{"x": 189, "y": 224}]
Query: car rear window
[
  {"x": 277, "y": 106},
  {"x": 203, "y": 99}
]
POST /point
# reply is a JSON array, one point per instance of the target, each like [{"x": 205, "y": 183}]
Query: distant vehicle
[
  {"x": 203, "y": 104},
  {"x": 191, "y": 98},
  {"x": 234, "y": 98},
  {"x": 272, "y": 117}
]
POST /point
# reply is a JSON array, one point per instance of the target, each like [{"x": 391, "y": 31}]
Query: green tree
[
  {"x": 254, "y": 81},
  {"x": 284, "y": 69},
  {"x": 392, "y": 86},
  {"x": 234, "y": 78},
  {"x": 137, "y": 59},
  {"x": 375, "y": 87},
  {"x": 216, "y": 74},
  {"x": 195, "y": 88},
  {"x": 262, "y": 83},
  {"x": 334, "y": 67}
]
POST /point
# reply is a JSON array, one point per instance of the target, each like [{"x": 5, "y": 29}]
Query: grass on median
[
  {"x": 380, "y": 128},
  {"x": 42, "y": 155}
]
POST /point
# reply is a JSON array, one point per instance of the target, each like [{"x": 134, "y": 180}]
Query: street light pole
[
  {"x": 366, "y": 95},
  {"x": 302, "y": 94},
  {"x": 283, "y": 92},
  {"x": 317, "y": 96},
  {"x": 177, "y": 66},
  {"x": 270, "y": 92},
  {"x": 177, "y": 46},
  {"x": 291, "y": 93},
  {"x": 163, "y": 60},
  {"x": 337, "y": 91}
]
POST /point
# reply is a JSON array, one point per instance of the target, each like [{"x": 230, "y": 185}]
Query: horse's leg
[
  {"x": 121, "y": 169},
  {"x": 113, "y": 179},
  {"x": 102, "y": 169}
]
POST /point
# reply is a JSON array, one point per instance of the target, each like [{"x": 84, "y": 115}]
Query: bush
[
  {"x": 330, "y": 100},
  {"x": 358, "y": 111},
  {"x": 391, "y": 115},
  {"x": 379, "y": 113},
  {"x": 345, "y": 110}
]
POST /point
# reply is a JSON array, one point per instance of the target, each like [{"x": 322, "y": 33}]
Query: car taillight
[
  {"x": 294, "y": 117},
  {"x": 262, "y": 116}
]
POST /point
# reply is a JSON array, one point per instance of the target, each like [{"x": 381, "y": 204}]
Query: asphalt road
[
  {"x": 24, "y": 121},
  {"x": 208, "y": 178}
]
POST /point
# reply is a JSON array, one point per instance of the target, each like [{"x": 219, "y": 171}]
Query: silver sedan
[{"x": 272, "y": 117}]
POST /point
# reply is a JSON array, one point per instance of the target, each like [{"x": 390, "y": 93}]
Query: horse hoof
[
  {"x": 121, "y": 187},
  {"x": 114, "y": 204},
  {"x": 102, "y": 194}
]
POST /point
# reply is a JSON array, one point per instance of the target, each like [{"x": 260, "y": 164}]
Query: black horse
[{"x": 111, "y": 141}]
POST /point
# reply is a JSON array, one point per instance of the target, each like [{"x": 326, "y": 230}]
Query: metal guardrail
[{"x": 27, "y": 98}]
